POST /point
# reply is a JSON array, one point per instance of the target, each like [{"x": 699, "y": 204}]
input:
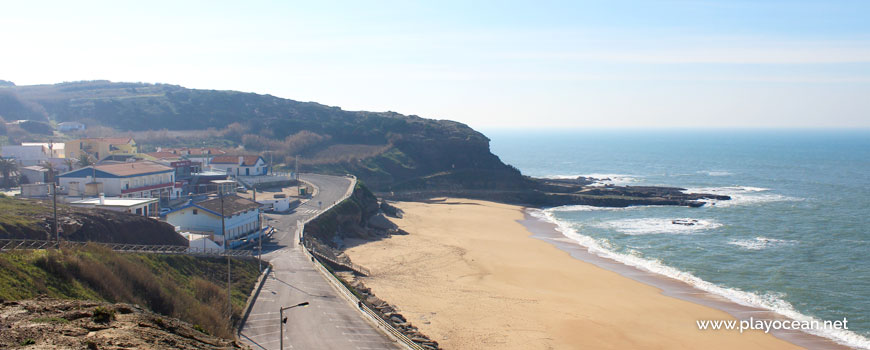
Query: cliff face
[{"x": 32, "y": 219}]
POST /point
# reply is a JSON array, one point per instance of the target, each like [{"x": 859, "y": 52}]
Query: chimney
[
  {"x": 241, "y": 160},
  {"x": 102, "y": 199}
]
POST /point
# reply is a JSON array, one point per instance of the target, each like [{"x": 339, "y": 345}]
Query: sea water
[{"x": 794, "y": 238}]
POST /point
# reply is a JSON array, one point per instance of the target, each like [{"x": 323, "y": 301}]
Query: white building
[
  {"x": 53, "y": 150},
  {"x": 138, "y": 206},
  {"x": 240, "y": 165},
  {"x": 25, "y": 155},
  {"x": 70, "y": 126},
  {"x": 142, "y": 179},
  {"x": 241, "y": 217}
]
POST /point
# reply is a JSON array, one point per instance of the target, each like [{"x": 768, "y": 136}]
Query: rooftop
[
  {"x": 112, "y": 140},
  {"x": 133, "y": 168},
  {"x": 247, "y": 160},
  {"x": 117, "y": 202},
  {"x": 232, "y": 205}
]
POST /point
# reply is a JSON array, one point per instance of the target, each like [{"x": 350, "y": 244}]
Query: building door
[{"x": 247, "y": 171}]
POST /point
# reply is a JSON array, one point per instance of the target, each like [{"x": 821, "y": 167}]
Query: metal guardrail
[
  {"x": 351, "y": 266},
  {"x": 26, "y": 244},
  {"x": 345, "y": 292},
  {"x": 389, "y": 328}
]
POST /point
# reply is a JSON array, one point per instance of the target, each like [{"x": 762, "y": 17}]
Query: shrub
[{"x": 103, "y": 315}]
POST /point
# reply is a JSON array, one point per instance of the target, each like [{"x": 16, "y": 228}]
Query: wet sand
[{"x": 472, "y": 276}]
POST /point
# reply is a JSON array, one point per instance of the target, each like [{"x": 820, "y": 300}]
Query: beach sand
[{"x": 470, "y": 276}]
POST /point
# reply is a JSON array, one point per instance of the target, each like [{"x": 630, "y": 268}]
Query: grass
[
  {"x": 192, "y": 289},
  {"x": 16, "y": 212}
]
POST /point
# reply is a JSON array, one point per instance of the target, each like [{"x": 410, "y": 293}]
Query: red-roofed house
[{"x": 247, "y": 165}]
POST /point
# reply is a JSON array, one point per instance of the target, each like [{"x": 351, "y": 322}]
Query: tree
[
  {"x": 8, "y": 166},
  {"x": 70, "y": 164},
  {"x": 85, "y": 160}
]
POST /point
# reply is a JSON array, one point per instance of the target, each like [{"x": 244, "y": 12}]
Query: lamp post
[
  {"x": 284, "y": 320},
  {"x": 226, "y": 251}
]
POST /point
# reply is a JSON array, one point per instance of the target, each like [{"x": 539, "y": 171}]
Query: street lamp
[{"x": 284, "y": 320}]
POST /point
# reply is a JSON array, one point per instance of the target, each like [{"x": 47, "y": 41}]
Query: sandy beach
[{"x": 470, "y": 276}]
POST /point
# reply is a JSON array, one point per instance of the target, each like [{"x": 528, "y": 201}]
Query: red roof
[
  {"x": 247, "y": 160},
  {"x": 194, "y": 151},
  {"x": 163, "y": 155},
  {"x": 133, "y": 168},
  {"x": 111, "y": 140}
]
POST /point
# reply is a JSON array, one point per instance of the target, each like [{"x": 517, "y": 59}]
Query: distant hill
[{"x": 387, "y": 150}]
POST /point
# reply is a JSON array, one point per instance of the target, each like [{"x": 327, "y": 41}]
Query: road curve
[{"x": 329, "y": 322}]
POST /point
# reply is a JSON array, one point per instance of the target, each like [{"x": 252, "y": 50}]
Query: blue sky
[{"x": 499, "y": 64}]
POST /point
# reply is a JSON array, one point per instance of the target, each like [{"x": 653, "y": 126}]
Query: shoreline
[
  {"x": 471, "y": 274},
  {"x": 548, "y": 232}
]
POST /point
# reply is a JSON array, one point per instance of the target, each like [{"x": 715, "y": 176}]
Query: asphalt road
[{"x": 330, "y": 321}]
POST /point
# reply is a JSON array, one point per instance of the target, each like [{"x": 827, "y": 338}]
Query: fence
[{"x": 26, "y": 244}]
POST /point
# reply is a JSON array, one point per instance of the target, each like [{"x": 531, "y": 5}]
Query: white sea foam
[
  {"x": 586, "y": 208},
  {"x": 769, "y": 301},
  {"x": 741, "y": 195},
  {"x": 601, "y": 179},
  {"x": 760, "y": 243},
  {"x": 649, "y": 226},
  {"x": 715, "y": 173}
]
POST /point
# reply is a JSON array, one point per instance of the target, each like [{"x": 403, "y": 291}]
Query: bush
[{"x": 103, "y": 315}]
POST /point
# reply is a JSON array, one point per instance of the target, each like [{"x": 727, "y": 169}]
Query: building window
[{"x": 195, "y": 212}]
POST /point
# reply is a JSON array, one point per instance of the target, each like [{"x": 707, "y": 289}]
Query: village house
[
  {"x": 141, "y": 179},
  {"x": 247, "y": 165},
  {"x": 70, "y": 126},
  {"x": 138, "y": 206},
  {"x": 101, "y": 148},
  {"x": 241, "y": 217}
]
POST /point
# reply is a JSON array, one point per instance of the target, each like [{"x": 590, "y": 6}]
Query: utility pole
[
  {"x": 54, "y": 204},
  {"x": 284, "y": 320},
  {"x": 297, "y": 167}
]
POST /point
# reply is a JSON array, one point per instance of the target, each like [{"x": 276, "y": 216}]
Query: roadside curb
[{"x": 250, "y": 303}]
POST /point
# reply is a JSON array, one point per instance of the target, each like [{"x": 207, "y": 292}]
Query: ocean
[{"x": 795, "y": 238}]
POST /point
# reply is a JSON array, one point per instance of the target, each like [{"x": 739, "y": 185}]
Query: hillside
[
  {"x": 397, "y": 156},
  {"x": 192, "y": 289},
  {"x": 45, "y": 323},
  {"x": 382, "y": 148},
  {"x": 32, "y": 219}
]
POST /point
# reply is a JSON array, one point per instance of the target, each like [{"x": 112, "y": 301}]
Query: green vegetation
[
  {"x": 18, "y": 214},
  {"x": 192, "y": 289},
  {"x": 103, "y": 315}
]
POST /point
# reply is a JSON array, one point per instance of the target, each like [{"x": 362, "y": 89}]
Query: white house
[
  {"x": 240, "y": 165},
  {"x": 53, "y": 150},
  {"x": 241, "y": 217},
  {"x": 138, "y": 206},
  {"x": 142, "y": 179},
  {"x": 25, "y": 155},
  {"x": 70, "y": 126}
]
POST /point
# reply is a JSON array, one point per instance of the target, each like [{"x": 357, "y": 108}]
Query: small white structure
[
  {"x": 280, "y": 205},
  {"x": 34, "y": 173},
  {"x": 138, "y": 206},
  {"x": 70, "y": 126},
  {"x": 200, "y": 242},
  {"x": 240, "y": 165},
  {"x": 35, "y": 190},
  {"x": 241, "y": 217}
]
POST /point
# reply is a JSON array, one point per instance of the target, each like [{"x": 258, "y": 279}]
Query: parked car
[{"x": 241, "y": 189}]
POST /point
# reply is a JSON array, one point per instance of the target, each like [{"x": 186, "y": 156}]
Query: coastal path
[{"x": 329, "y": 321}]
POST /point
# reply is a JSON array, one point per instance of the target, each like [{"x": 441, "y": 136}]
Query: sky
[{"x": 489, "y": 64}]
